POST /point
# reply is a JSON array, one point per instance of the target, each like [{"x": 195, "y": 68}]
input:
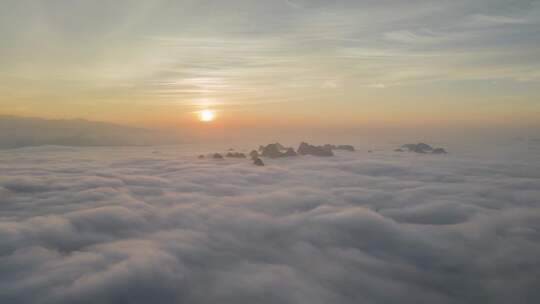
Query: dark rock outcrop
[
  {"x": 200, "y": 156},
  {"x": 277, "y": 146},
  {"x": 217, "y": 156},
  {"x": 271, "y": 150},
  {"x": 290, "y": 152},
  {"x": 307, "y": 149},
  {"x": 258, "y": 162},
  {"x": 418, "y": 148},
  {"x": 421, "y": 148},
  {"x": 349, "y": 148},
  {"x": 235, "y": 155},
  {"x": 254, "y": 154},
  {"x": 280, "y": 146},
  {"x": 276, "y": 150},
  {"x": 439, "y": 151}
]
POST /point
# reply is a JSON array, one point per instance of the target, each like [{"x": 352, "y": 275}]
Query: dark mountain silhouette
[
  {"x": 421, "y": 148},
  {"x": 24, "y": 131},
  {"x": 307, "y": 149}
]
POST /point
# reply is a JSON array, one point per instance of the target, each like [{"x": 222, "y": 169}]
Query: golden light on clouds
[{"x": 207, "y": 115}]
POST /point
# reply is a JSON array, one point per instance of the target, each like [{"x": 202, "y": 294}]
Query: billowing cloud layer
[{"x": 138, "y": 225}]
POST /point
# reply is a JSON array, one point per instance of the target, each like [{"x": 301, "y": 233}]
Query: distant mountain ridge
[{"x": 16, "y": 132}]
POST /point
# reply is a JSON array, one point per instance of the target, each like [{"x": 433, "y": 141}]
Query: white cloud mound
[{"x": 132, "y": 225}]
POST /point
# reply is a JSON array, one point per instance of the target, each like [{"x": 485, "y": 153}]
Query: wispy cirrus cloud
[{"x": 260, "y": 52}]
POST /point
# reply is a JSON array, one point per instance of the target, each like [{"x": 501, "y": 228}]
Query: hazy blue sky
[{"x": 295, "y": 62}]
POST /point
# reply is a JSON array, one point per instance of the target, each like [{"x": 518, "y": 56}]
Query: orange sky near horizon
[{"x": 295, "y": 64}]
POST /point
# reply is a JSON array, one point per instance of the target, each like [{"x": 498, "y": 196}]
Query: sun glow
[{"x": 206, "y": 115}]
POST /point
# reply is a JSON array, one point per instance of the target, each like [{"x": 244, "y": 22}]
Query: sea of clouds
[{"x": 157, "y": 225}]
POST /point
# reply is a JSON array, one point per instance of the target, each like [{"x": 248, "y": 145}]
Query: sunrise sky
[
  {"x": 269, "y": 151},
  {"x": 158, "y": 63}
]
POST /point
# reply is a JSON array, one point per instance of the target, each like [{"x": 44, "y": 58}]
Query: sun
[{"x": 206, "y": 115}]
